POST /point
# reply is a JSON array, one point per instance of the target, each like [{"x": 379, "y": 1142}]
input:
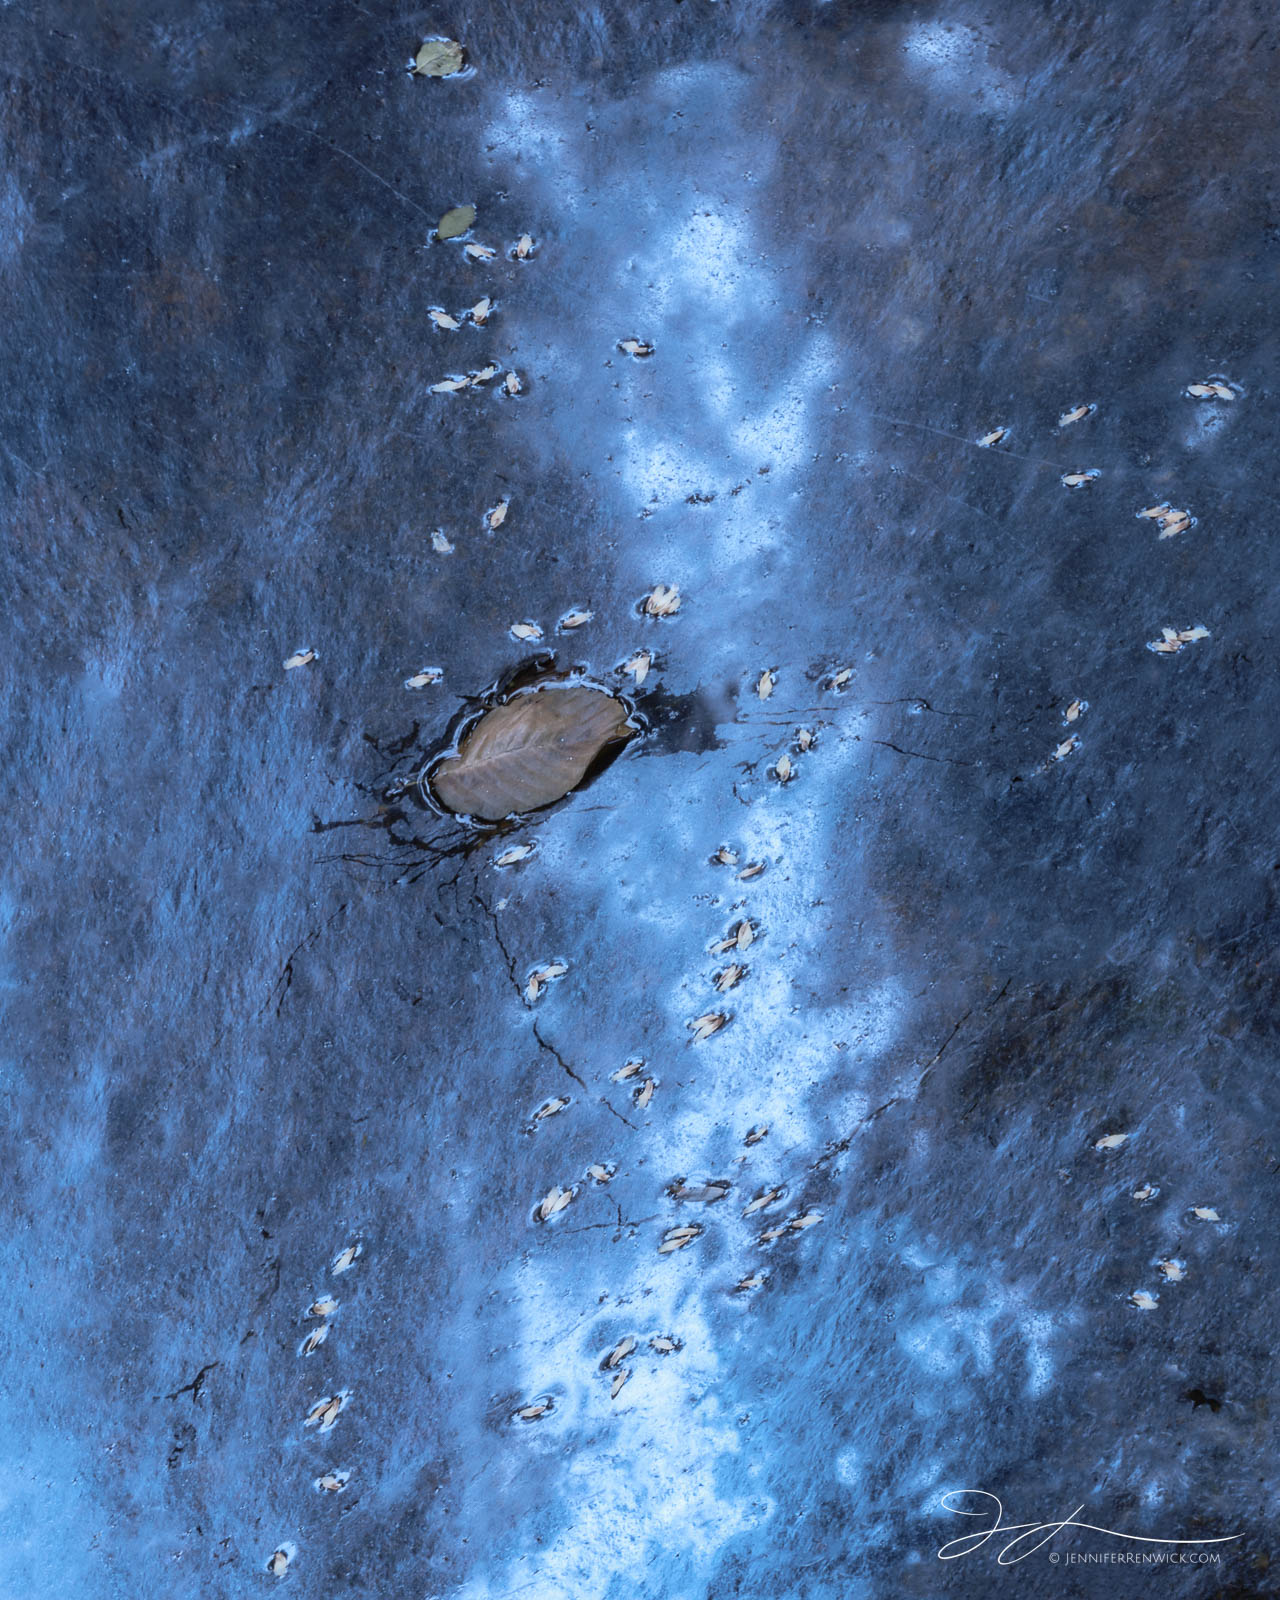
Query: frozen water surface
[{"x": 263, "y": 1007}]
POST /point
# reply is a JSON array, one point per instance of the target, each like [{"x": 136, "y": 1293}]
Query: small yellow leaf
[
  {"x": 524, "y": 247},
  {"x": 1188, "y": 634},
  {"x": 325, "y": 1412},
  {"x": 707, "y": 1024},
  {"x": 636, "y": 347},
  {"x": 438, "y": 58},
  {"x": 554, "y": 1201},
  {"x": 332, "y": 1482},
  {"x": 1174, "y": 1271},
  {"x": 497, "y": 515},
  {"x": 763, "y": 1200},
  {"x": 1172, "y": 522},
  {"x": 1153, "y": 513},
  {"x": 638, "y": 666},
  {"x": 325, "y": 1306},
  {"x": 663, "y": 601},
  {"x": 994, "y": 437},
  {"x": 1077, "y": 480},
  {"x": 764, "y": 687},
  {"x": 810, "y": 1219},
  {"x": 754, "y": 1135},
  {"x": 620, "y": 1352},
  {"x": 480, "y": 252},
  {"x": 804, "y": 738},
  {"x": 615, "y": 1388},
  {"x": 729, "y": 977},
  {"x": 773, "y": 1233},
  {"x": 600, "y": 1173},
  {"x": 1143, "y": 1300},
  {"x": 540, "y": 977},
  {"x": 1206, "y": 1214},
  {"x": 1075, "y": 711},
  {"x": 346, "y": 1259},
  {"x": 527, "y": 632},
  {"x": 538, "y": 1408},
  {"x": 752, "y": 871},
  {"x": 425, "y": 678},
  {"x": 1065, "y": 749},
  {"x": 1111, "y": 1141},
  {"x": 455, "y": 223},
  {"x": 550, "y": 1107},
  {"x": 644, "y": 1093},
  {"x": 479, "y": 312},
  {"x": 511, "y": 383},
  {"x": 678, "y": 1238},
  {"x": 725, "y": 857},
  {"x": 516, "y": 852},
  {"x": 440, "y": 544},
  {"x": 442, "y": 319},
  {"x": 783, "y": 770},
  {"x": 300, "y": 658},
  {"x": 1076, "y": 414},
  {"x": 1147, "y": 1192},
  {"x": 840, "y": 679},
  {"x": 484, "y": 374},
  {"x": 315, "y": 1339},
  {"x": 629, "y": 1069},
  {"x": 574, "y": 619},
  {"x": 278, "y": 1565},
  {"x": 745, "y": 1285},
  {"x": 664, "y": 1344},
  {"x": 450, "y": 385}
]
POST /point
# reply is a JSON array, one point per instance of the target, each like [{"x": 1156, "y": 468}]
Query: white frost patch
[
  {"x": 953, "y": 60},
  {"x": 654, "y": 1496}
]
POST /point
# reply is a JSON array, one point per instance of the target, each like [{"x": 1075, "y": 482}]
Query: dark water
[{"x": 239, "y": 1038}]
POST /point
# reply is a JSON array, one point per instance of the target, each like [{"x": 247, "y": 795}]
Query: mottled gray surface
[{"x": 238, "y": 1039}]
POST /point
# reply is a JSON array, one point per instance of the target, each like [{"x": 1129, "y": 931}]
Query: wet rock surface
[{"x": 1007, "y": 990}]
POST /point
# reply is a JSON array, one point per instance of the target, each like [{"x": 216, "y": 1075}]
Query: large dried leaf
[{"x": 529, "y": 751}]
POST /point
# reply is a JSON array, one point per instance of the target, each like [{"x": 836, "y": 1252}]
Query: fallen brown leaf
[{"x": 529, "y": 751}]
